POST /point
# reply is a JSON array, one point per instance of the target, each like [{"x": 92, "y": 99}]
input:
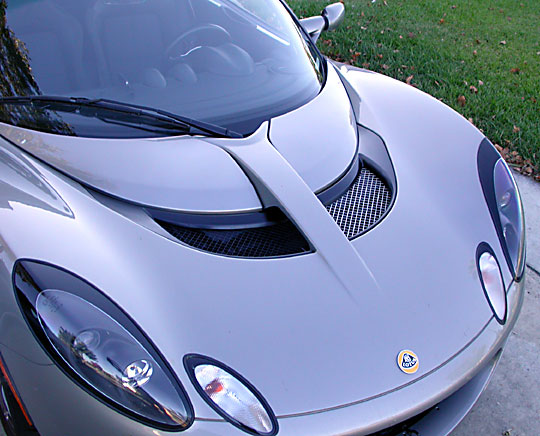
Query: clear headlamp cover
[
  {"x": 106, "y": 356},
  {"x": 510, "y": 214},
  {"x": 231, "y": 396},
  {"x": 490, "y": 274},
  {"x": 99, "y": 347}
]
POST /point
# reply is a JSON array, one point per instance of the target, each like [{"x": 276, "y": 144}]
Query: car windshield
[{"x": 232, "y": 63}]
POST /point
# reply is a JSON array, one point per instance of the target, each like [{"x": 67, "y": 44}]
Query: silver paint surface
[{"x": 317, "y": 334}]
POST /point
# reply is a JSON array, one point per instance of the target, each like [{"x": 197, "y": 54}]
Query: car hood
[
  {"x": 191, "y": 174},
  {"x": 315, "y": 331}
]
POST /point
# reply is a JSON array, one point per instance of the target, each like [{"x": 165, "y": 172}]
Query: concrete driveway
[{"x": 510, "y": 406}]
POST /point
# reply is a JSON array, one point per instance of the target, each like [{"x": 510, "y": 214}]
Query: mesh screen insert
[
  {"x": 362, "y": 205},
  {"x": 356, "y": 211},
  {"x": 279, "y": 239}
]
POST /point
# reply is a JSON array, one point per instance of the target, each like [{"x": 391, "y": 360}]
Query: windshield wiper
[{"x": 143, "y": 114}]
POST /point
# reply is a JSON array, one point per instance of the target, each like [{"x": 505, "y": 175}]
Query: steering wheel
[{"x": 205, "y": 34}]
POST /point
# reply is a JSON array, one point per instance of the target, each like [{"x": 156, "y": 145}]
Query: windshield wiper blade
[{"x": 192, "y": 125}]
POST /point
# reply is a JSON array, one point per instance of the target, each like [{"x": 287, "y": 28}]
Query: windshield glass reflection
[{"x": 234, "y": 63}]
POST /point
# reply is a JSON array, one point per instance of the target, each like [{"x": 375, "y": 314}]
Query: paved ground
[{"x": 510, "y": 406}]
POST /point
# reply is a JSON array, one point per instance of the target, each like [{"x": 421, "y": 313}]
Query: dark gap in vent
[
  {"x": 280, "y": 239},
  {"x": 404, "y": 428},
  {"x": 270, "y": 233}
]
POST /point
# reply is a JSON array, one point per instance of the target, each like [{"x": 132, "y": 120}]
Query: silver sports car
[{"x": 207, "y": 227}]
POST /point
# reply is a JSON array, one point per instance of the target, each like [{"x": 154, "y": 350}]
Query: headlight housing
[
  {"x": 491, "y": 278},
  {"x": 505, "y": 207},
  {"x": 231, "y": 395},
  {"x": 98, "y": 346}
]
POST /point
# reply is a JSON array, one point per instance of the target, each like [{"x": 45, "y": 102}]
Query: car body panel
[
  {"x": 320, "y": 152},
  {"x": 169, "y": 173},
  {"x": 186, "y": 173},
  {"x": 332, "y": 300},
  {"x": 352, "y": 420}
]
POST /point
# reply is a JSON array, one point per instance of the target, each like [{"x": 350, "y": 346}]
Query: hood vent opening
[
  {"x": 363, "y": 205},
  {"x": 269, "y": 233},
  {"x": 274, "y": 240},
  {"x": 264, "y": 234}
]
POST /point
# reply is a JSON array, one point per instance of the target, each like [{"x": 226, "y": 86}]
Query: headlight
[
  {"x": 99, "y": 347},
  {"x": 492, "y": 281},
  {"x": 510, "y": 215},
  {"x": 231, "y": 395},
  {"x": 504, "y": 202}
]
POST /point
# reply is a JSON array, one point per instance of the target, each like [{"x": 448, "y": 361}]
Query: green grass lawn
[{"x": 480, "y": 57}]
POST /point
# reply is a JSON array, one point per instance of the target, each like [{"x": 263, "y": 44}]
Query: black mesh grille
[
  {"x": 279, "y": 239},
  {"x": 404, "y": 428},
  {"x": 362, "y": 206},
  {"x": 356, "y": 211}
]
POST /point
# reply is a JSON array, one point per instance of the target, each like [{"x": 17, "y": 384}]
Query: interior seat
[
  {"x": 130, "y": 36},
  {"x": 54, "y": 45}
]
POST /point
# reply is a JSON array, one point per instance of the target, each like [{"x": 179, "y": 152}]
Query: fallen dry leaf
[
  {"x": 473, "y": 89},
  {"x": 385, "y": 67},
  {"x": 514, "y": 70},
  {"x": 441, "y": 21},
  {"x": 516, "y": 129},
  {"x": 408, "y": 79},
  {"x": 480, "y": 83},
  {"x": 462, "y": 101},
  {"x": 474, "y": 52},
  {"x": 502, "y": 42}
]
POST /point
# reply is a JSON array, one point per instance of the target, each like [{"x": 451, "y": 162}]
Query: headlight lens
[
  {"x": 510, "y": 215},
  {"x": 97, "y": 345},
  {"x": 492, "y": 281},
  {"x": 230, "y": 395},
  {"x": 504, "y": 203}
]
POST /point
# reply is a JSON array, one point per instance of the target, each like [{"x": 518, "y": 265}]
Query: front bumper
[
  {"x": 58, "y": 406},
  {"x": 453, "y": 387}
]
